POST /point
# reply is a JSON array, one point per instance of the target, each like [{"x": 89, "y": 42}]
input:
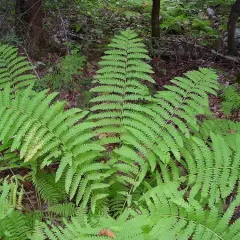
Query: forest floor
[
  {"x": 164, "y": 71},
  {"x": 227, "y": 72}
]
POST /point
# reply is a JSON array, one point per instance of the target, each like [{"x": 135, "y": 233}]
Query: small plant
[
  {"x": 66, "y": 73},
  {"x": 10, "y": 38},
  {"x": 231, "y": 99}
]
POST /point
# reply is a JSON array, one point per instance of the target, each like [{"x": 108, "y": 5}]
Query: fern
[
  {"x": 231, "y": 99},
  {"x": 44, "y": 133},
  {"x": 13, "y": 224},
  {"x": 22, "y": 117},
  {"x": 51, "y": 192},
  {"x": 145, "y": 130},
  {"x": 64, "y": 209},
  {"x": 16, "y": 226},
  {"x": 4, "y": 200},
  {"x": 213, "y": 172},
  {"x": 8, "y": 158},
  {"x": 164, "y": 215},
  {"x": 128, "y": 226},
  {"x": 14, "y": 70},
  {"x": 172, "y": 217},
  {"x": 228, "y": 129}
]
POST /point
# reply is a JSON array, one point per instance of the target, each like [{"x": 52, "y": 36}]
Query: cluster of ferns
[{"x": 133, "y": 166}]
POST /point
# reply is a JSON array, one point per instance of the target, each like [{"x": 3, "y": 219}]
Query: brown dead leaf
[
  {"x": 232, "y": 131},
  {"x": 107, "y": 233},
  {"x": 102, "y": 135}
]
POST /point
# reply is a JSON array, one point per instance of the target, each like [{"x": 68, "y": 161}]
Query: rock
[
  {"x": 211, "y": 13},
  {"x": 237, "y": 37}
]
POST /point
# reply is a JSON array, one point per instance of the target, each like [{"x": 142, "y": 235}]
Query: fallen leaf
[
  {"x": 107, "y": 233},
  {"x": 232, "y": 131}
]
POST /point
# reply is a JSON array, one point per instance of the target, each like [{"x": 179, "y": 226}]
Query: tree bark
[
  {"x": 231, "y": 26},
  {"x": 155, "y": 18},
  {"x": 35, "y": 26},
  {"x": 29, "y": 24}
]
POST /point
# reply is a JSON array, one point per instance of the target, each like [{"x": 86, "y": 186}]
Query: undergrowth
[{"x": 132, "y": 166}]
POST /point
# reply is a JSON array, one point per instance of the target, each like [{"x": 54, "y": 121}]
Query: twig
[{"x": 29, "y": 59}]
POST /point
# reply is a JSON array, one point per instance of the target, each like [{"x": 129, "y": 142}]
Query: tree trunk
[
  {"x": 29, "y": 24},
  {"x": 155, "y": 18},
  {"x": 35, "y": 30},
  {"x": 231, "y": 26}
]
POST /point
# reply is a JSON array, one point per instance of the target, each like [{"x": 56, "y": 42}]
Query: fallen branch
[{"x": 230, "y": 58}]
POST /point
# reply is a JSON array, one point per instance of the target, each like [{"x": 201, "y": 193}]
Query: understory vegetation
[
  {"x": 120, "y": 120},
  {"x": 133, "y": 166}
]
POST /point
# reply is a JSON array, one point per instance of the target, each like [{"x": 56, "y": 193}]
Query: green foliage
[
  {"x": 128, "y": 226},
  {"x": 214, "y": 171},
  {"x": 228, "y": 130},
  {"x": 231, "y": 99},
  {"x": 13, "y": 224},
  {"x": 44, "y": 133},
  {"x": 174, "y": 217},
  {"x": 14, "y": 69},
  {"x": 4, "y": 199},
  {"x": 8, "y": 158},
  {"x": 134, "y": 166},
  {"x": 50, "y": 192},
  {"x": 65, "y": 74},
  {"x": 10, "y": 38},
  {"x": 145, "y": 133},
  {"x": 167, "y": 215},
  {"x": 185, "y": 17}
]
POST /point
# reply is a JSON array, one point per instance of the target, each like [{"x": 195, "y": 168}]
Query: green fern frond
[
  {"x": 14, "y": 70},
  {"x": 63, "y": 209},
  {"x": 44, "y": 132},
  {"x": 5, "y": 208},
  {"x": 172, "y": 217},
  {"x": 231, "y": 99},
  {"x": 51, "y": 192},
  {"x": 13, "y": 224},
  {"x": 135, "y": 166},
  {"x": 128, "y": 226},
  {"x": 229, "y": 130},
  {"x": 144, "y": 129},
  {"x": 212, "y": 173}
]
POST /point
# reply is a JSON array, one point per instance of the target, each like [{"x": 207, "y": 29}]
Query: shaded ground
[
  {"x": 227, "y": 71},
  {"x": 165, "y": 70}
]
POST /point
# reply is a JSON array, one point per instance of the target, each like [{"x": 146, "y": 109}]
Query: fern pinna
[{"x": 134, "y": 166}]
